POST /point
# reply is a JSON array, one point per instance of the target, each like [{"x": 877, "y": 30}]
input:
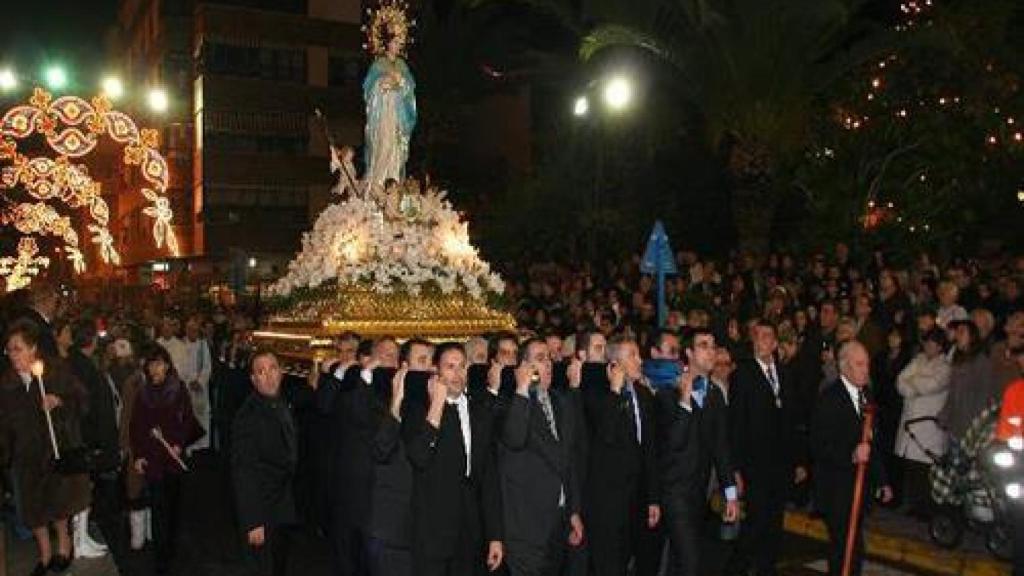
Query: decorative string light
[{"x": 72, "y": 128}]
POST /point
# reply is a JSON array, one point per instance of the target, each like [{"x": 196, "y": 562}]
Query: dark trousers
[
  {"x": 837, "y": 521},
  {"x": 165, "y": 497},
  {"x": 916, "y": 487},
  {"x": 463, "y": 563},
  {"x": 387, "y": 559},
  {"x": 350, "y": 545},
  {"x": 614, "y": 536},
  {"x": 270, "y": 559},
  {"x": 682, "y": 521},
  {"x": 548, "y": 559},
  {"x": 761, "y": 534}
]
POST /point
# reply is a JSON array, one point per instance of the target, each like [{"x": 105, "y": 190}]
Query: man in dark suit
[
  {"x": 763, "y": 441},
  {"x": 455, "y": 502},
  {"x": 354, "y": 419},
  {"x": 837, "y": 449},
  {"x": 537, "y": 459},
  {"x": 693, "y": 435},
  {"x": 263, "y": 459},
  {"x": 390, "y": 524},
  {"x": 390, "y": 539},
  {"x": 622, "y": 493}
]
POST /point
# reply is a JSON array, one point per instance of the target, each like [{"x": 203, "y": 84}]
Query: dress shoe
[{"x": 59, "y": 563}]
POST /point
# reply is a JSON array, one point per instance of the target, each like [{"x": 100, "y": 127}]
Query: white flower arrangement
[{"x": 386, "y": 248}]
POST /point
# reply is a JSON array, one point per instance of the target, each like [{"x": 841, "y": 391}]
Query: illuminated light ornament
[
  {"x": 43, "y": 220},
  {"x": 21, "y": 269},
  {"x": 73, "y": 127}
]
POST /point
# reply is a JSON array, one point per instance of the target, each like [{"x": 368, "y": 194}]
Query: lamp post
[{"x": 616, "y": 95}]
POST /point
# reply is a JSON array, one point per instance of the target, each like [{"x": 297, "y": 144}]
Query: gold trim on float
[{"x": 304, "y": 333}]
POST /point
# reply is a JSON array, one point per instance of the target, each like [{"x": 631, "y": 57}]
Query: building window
[
  {"x": 289, "y": 6},
  {"x": 269, "y": 63},
  {"x": 254, "y": 143}
]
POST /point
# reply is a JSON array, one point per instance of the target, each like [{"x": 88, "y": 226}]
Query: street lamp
[
  {"x": 56, "y": 77},
  {"x": 8, "y": 81},
  {"x": 618, "y": 93},
  {"x": 581, "y": 107},
  {"x": 112, "y": 87},
  {"x": 158, "y": 101}
]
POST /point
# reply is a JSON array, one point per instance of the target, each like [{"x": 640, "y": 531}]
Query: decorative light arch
[{"x": 72, "y": 128}]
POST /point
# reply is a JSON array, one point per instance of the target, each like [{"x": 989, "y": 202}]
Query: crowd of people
[{"x": 592, "y": 441}]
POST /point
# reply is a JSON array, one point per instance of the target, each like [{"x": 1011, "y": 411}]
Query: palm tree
[{"x": 754, "y": 71}]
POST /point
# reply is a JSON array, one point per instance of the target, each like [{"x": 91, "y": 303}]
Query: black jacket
[
  {"x": 99, "y": 422},
  {"x": 535, "y": 467},
  {"x": 620, "y": 470},
  {"x": 763, "y": 435},
  {"x": 353, "y": 425},
  {"x": 392, "y": 486},
  {"x": 263, "y": 460},
  {"x": 835, "y": 433},
  {"x": 448, "y": 509},
  {"x": 689, "y": 441}
]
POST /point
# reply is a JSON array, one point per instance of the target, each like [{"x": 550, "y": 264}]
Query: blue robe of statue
[{"x": 390, "y": 94}]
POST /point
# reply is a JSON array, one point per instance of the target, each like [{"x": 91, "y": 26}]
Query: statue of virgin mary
[{"x": 389, "y": 91}]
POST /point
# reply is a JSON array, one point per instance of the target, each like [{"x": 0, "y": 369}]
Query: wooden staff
[{"x": 858, "y": 492}]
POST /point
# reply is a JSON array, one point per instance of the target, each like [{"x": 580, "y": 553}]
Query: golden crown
[{"x": 388, "y": 19}]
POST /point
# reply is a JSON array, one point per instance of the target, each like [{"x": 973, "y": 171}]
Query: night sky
[{"x": 72, "y": 32}]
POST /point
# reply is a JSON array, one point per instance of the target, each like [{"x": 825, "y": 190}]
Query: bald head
[{"x": 854, "y": 363}]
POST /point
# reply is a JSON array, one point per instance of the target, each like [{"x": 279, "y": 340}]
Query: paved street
[{"x": 209, "y": 546}]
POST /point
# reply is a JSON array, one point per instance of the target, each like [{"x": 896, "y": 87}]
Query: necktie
[
  {"x": 634, "y": 418},
  {"x": 769, "y": 372},
  {"x": 544, "y": 399},
  {"x": 862, "y": 401},
  {"x": 700, "y": 390}
]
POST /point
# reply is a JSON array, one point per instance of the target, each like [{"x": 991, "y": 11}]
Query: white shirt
[
  {"x": 854, "y": 393},
  {"x": 462, "y": 404},
  {"x": 196, "y": 365}
]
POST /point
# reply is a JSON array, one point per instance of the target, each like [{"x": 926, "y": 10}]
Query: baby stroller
[{"x": 964, "y": 488}]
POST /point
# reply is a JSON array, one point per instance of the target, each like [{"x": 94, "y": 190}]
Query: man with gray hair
[{"x": 838, "y": 450}]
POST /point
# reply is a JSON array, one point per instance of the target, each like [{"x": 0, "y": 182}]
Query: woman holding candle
[
  {"x": 162, "y": 425},
  {"x": 41, "y": 403}
]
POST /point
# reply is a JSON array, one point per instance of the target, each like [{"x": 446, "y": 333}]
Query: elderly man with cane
[{"x": 841, "y": 441}]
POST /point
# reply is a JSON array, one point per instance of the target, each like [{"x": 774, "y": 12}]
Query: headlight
[
  {"x": 1003, "y": 459},
  {"x": 1016, "y": 443},
  {"x": 1013, "y": 490}
]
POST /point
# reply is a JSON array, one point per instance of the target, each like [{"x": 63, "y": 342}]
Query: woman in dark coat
[
  {"x": 162, "y": 409},
  {"x": 45, "y": 495}
]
